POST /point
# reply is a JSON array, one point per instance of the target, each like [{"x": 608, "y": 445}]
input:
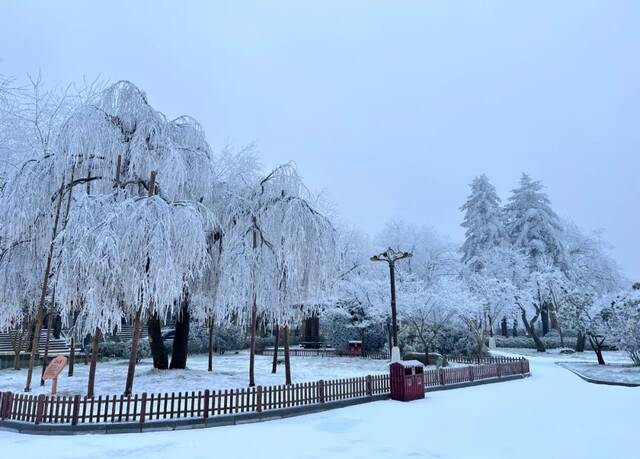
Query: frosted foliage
[
  {"x": 483, "y": 220},
  {"x": 20, "y": 283},
  {"x": 137, "y": 253},
  {"x": 120, "y": 121},
  {"x": 291, "y": 269},
  {"x": 433, "y": 256},
  {"x": 531, "y": 223},
  {"x": 625, "y": 322},
  {"x": 26, "y": 205}
]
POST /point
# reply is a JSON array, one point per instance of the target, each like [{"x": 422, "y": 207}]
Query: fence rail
[
  {"x": 325, "y": 353},
  {"x": 141, "y": 408}
]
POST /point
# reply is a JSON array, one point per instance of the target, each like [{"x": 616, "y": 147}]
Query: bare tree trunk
[
  {"x": 72, "y": 351},
  {"x": 252, "y": 350},
  {"x": 287, "y": 359},
  {"x": 95, "y": 349},
  {"x": 137, "y": 323},
  {"x": 210, "y": 367},
  {"x": 274, "y": 365},
  {"x": 180, "y": 351},
  {"x": 17, "y": 347},
  {"x": 597, "y": 348},
  {"x": 580, "y": 342},
  {"x": 156, "y": 343},
  {"x": 46, "y": 347},
  {"x": 35, "y": 343},
  {"x": 133, "y": 356},
  {"x": 530, "y": 327}
]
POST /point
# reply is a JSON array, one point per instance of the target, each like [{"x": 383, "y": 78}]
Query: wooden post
[
  {"x": 39, "y": 409},
  {"x": 369, "y": 386},
  {"x": 321, "y": 391},
  {"x": 143, "y": 408},
  {"x": 206, "y": 404},
  {"x": 441, "y": 375},
  {"x": 76, "y": 410},
  {"x": 259, "y": 399}
]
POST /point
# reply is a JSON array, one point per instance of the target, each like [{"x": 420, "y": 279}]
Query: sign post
[{"x": 53, "y": 371}]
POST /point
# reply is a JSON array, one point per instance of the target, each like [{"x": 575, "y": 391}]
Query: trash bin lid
[{"x": 408, "y": 363}]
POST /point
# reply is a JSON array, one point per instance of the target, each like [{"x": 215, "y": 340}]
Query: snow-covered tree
[
  {"x": 531, "y": 223},
  {"x": 483, "y": 221},
  {"x": 625, "y": 322},
  {"x": 278, "y": 257},
  {"x": 429, "y": 309}
]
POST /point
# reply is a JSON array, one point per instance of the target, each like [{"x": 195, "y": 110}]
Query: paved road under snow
[{"x": 553, "y": 414}]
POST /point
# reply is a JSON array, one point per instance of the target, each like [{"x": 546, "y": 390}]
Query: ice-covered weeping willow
[
  {"x": 291, "y": 268},
  {"x": 136, "y": 253},
  {"x": 109, "y": 234}
]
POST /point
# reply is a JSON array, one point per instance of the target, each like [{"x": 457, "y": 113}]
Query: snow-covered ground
[
  {"x": 552, "y": 414},
  {"x": 618, "y": 366},
  {"x": 230, "y": 371},
  {"x": 614, "y": 357},
  {"x": 615, "y": 373}
]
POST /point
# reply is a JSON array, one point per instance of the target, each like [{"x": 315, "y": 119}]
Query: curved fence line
[{"x": 147, "y": 408}]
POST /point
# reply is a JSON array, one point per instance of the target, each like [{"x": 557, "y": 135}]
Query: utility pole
[{"x": 391, "y": 256}]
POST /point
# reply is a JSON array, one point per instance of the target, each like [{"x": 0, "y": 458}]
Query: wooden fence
[
  {"x": 325, "y": 353},
  {"x": 74, "y": 410}
]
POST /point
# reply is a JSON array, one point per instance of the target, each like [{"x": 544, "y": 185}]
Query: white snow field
[
  {"x": 230, "y": 371},
  {"x": 552, "y": 414}
]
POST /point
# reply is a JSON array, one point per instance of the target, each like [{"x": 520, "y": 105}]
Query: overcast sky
[{"x": 391, "y": 108}]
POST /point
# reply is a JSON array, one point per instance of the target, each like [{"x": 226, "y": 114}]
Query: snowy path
[{"x": 553, "y": 414}]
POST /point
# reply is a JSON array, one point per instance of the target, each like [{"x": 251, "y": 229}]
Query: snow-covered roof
[{"x": 409, "y": 363}]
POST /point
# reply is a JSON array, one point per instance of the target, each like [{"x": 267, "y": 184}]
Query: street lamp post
[{"x": 391, "y": 256}]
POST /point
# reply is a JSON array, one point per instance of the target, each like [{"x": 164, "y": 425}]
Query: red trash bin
[
  {"x": 355, "y": 348},
  {"x": 407, "y": 380}
]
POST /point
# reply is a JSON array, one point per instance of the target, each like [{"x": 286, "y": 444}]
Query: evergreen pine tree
[
  {"x": 531, "y": 224},
  {"x": 482, "y": 221}
]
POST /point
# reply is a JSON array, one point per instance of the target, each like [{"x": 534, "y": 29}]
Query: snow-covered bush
[
  {"x": 338, "y": 328},
  {"x": 625, "y": 324}
]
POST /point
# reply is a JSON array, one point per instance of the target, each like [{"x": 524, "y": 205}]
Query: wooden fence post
[
  {"x": 143, "y": 408},
  {"x": 441, "y": 376},
  {"x": 470, "y": 373},
  {"x": 499, "y": 370},
  {"x": 39, "y": 409},
  {"x": 8, "y": 405},
  {"x": 259, "y": 399},
  {"x": 76, "y": 410},
  {"x": 321, "y": 391},
  {"x": 522, "y": 366},
  {"x": 369, "y": 386},
  {"x": 206, "y": 404}
]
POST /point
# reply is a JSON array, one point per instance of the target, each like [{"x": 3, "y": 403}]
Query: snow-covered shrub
[
  {"x": 117, "y": 349},
  {"x": 625, "y": 324},
  {"x": 339, "y": 328}
]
